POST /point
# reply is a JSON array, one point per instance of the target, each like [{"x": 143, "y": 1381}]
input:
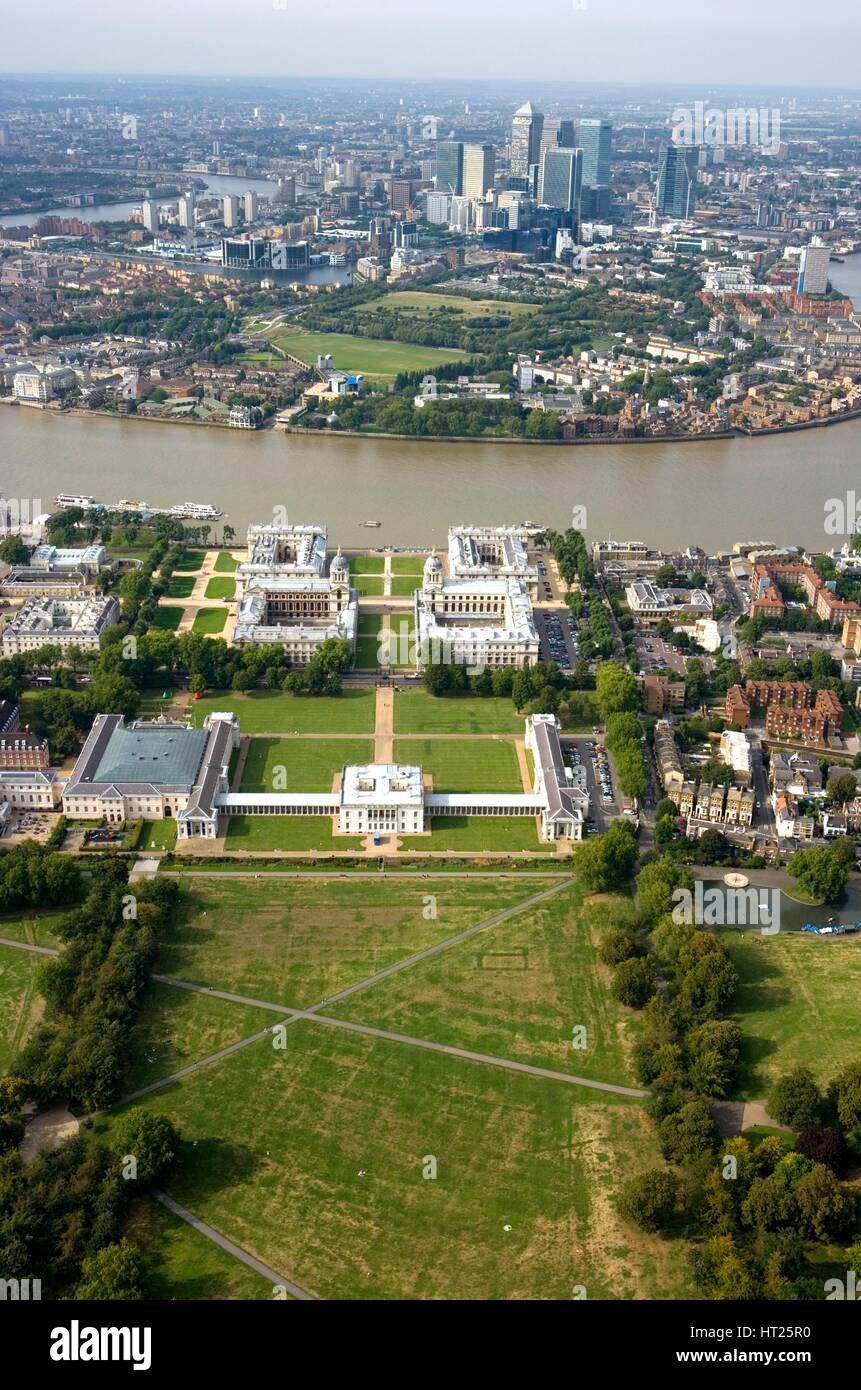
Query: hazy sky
[{"x": 792, "y": 42}]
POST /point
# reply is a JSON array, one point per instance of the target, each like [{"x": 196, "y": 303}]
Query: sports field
[
  {"x": 799, "y": 1004},
  {"x": 301, "y": 765},
  {"x": 372, "y": 357}
]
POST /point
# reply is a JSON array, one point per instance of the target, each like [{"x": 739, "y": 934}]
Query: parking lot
[
  {"x": 557, "y": 631},
  {"x": 593, "y": 770},
  {"x": 657, "y": 655}
]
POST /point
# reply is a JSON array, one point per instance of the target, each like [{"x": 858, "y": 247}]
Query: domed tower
[
  {"x": 433, "y": 571},
  {"x": 339, "y": 578}
]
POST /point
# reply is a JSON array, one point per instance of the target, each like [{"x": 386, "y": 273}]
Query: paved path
[
  {"x": 384, "y": 726},
  {"x": 235, "y": 1250},
  {"x": 313, "y": 1016},
  {"x": 28, "y": 946},
  {"x": 359, "y": 873}
]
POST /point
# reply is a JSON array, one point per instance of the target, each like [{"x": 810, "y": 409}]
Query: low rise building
[
  {"x": 30, "y": 790},
  {"x": 23, "y": 752},
  {"x": 492, "y": 552},
  {"x": 158, "y": 770},
  {"x": 662, "y": 694},
  {"x": 735, "y": 752},
  {"x": 481, "y": 624},
  {"x": 80, "y": 622}
]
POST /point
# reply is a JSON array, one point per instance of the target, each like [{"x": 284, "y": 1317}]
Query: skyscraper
[
  {"x": 813, "y": 270},
  {"x": 449, "y": 167},
  {"x": 250, "y": 205},
  {"x": 595, "y": 139},
  {"x": 561, "y": 176},
  {"x": 186, "y": 209},
  {"x": 230, "y": 210},
  {"x": 150, "y": 213},
  {"x": 526, "y": 131},
  {"x": 479, "y": 170},
  {"x": 677, "y": 180}
]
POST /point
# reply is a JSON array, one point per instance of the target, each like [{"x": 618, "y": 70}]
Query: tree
[
  {"x": 823, "y": 1144},
  {"x": 650, "y": 1200},
  {"x": 820, "y": 873},
  {"x": 689, "y": 1133},
  {"x": 150, "y": 1139},
  {"x": 113, "y": 1273},
  {"x": 634, "y": 983},
  {"x": 846, "y": 1092},
  {"x": 841, "y": 787},
  {"x": 796, "y": 1099},
  {"x": 616, "y": 688},
  {"x": 618, "y": 945},
  {"x": 13, "y": 551},
  {"x": 824, "y": 1209},
  {"x": 606, "y": 862}
]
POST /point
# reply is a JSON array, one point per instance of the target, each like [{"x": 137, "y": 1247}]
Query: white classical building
[
  {"x": 155, "y": 771},
  {"x": 286, "y": 598},
  {"x": 60, "y": 622},
  {"x": 398, "y": 800},
  {"x": 478, "y": 623},
  {"x": 492, "y": 552},
  {"x": 29, "y": 791}
]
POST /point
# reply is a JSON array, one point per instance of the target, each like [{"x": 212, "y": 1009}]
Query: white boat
[
  {"x": 198, "y": 511},
  {"x": 372, "y": 523},
  {"x": 71, "y": 499}
]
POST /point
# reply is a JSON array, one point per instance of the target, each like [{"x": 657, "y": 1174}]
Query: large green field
[
  {"x": 799, "y": 1004},
  {"x": 464, "y": 765},
  {"x": 35, "y": 927},
  {"x": 209, "y": 620},
  {"x": 292, "y": 944},
  {"x": 220, "y": 587},
  {"x": 168, "y": 617},
  {"x": 427, "y": 303},
  {"x": 312, "y": 1158},
  {"x": 274, "y": 712},
  {"x": 518, "y": 991},
  {"x": 417, "y": 712},
  {"x": 309, "y": 765},
  {"x": 372, "y": 357},
  {"x": 225, "y": 563},
  {"x": 263, "y": 834},
  {"x": 20, "y": 1005}
]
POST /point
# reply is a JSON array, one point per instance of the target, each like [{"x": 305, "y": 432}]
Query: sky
[{"x": 792, "y": 43}]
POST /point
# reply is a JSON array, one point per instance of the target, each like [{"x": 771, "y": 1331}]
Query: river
[
  {"x": 217, "y": 185},
  {"x": 666, "y": 494}
]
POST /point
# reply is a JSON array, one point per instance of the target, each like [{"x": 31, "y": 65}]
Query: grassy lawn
[
  {"x": 367, "y": 564},
  {"x": 35, "y": 927},
  {"x": 177, "y": 1027},
  {"x": 192, "y": 562},
  {"x": 404, "y": 586},
  {"x": 370, "y": 585},
  {"x": 463, "y": 765},
  {"x": 180, "y": 586},
  {"x": 281, "y": 941},
  {"x": 417, "y": 712},
  {"x": 477, "y": 834},
  {"x": 516, "y": 990},
  {"x": 209, "y": 620},
  {"x": 225, "y": 563},
  {"x": 292, "y": 833},
  {"x": 274, "y": 712},
  {"x": 428, "y": 304},
  {"x": 309, "y": 764},
  {"x": 402, "y": 642},
  {"x": 220, "y": 588},
  {"x": 799, "y": 1004},
  {"x": 522, "y": 1207},
  {"x": 373, "y": 357},
  {"x": 367, "y": 653},
  {"x": 158, "y": 835},
  {"x": 20, "y": 1005},
  {"x": 168, "y": 618},
  {"x": 408, "y": 564},
  {"x": 180, "y": 1263}
]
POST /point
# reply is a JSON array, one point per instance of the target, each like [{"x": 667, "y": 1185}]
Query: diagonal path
[{"x": 232, "y": 1249}]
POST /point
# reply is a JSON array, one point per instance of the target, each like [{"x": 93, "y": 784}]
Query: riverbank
[{"x": 508, "y": 438}]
